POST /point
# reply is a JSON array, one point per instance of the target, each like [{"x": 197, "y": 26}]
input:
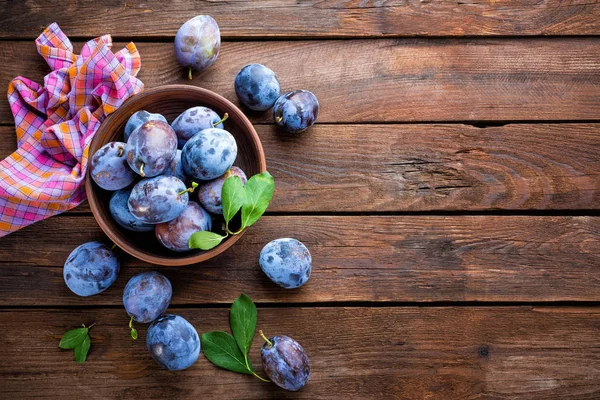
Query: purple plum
[
  {"x": 176, "y": 234},
  {"x": 90, "y": 269},
  {"x": 257, "y": 87},
  {"x": 147, "y": 296},
  {"x": 109, "y": 167},
  {"x": 158, "y": 199},
  {"x": 285, "y": 362},
  {"x": 151, "y": 148},
  {"x": 138, "y": 118},
  {"x": 296, "y": 111},
  {"x": 173, "y": 342},
  {"x": 119, "y": 209},
  {"x": 197, "y": 43},
  {"x": 193, "y": 120},
  {"x": 287, "y": 262},
  {"x": 209, "y": 193},
  {"x": 208, "y": 154}
]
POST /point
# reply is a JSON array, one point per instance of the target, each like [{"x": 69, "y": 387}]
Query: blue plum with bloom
[
  {"x": 151, "y": 148},
  {"x": 209, "y": 153},
  {"x": 119, "y": 210},
  {"x": 285, "y": 362},
  {"x": 176, "y": 234},
  {"x": 175, "y": 168},
  {"x": 173, "y": 342},
  {"x": 139, "y": 118},
  {"x": 192, "y": 121},
  {"x": 90, "y": 269},
  {"x": 109, "y": 167},
  {"x": 147, "y": 296},
  {"x": 287, "y": 262},
  {"x": 296, "y": 111},
  {"x": 257, "y": 87},
  {"x": 158, "y": 199}
]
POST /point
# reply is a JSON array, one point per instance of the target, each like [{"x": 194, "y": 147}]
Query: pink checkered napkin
[{"x": 56, "y": 122}]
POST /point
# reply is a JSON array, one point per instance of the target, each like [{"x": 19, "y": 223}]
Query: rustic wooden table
[{"x": 448, "y": 194}]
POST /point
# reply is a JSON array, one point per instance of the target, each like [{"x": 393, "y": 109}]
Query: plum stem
[
  {"x": 190, "y": 74},
  {"x": 142, "y": 174},
  {"x": 190, "y": 189},
  {"x": 265, "y": 338},
  {"x": 260, "y": 377},
  {"x": 90, "y": 327},
  {"x": 134, "y": 334},
  {"x": 121, "y": 151},
  {"x": 114, "y": 246},
  {"x": 225, "y": 116},
  {"x": 278, "y": 119}
]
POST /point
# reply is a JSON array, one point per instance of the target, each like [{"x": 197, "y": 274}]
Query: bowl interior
[{"x": 171, "y": 101}]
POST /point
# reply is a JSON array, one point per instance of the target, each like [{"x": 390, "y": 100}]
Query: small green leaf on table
[
  {"x": 222, "y": 350},
  {"x": 82, "y": 349},
  {"x": 242, "y": 319},
  {"x": 73, "y": 338}
]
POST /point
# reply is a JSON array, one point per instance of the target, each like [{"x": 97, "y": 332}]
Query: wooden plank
[
  {"x": 391, "y": 80},
  {"x": 288, "y": 18},
  {"x": 428, "y": 167},
  {"x": 355, "y": 353},
  {"x": 382, "y": 259}
]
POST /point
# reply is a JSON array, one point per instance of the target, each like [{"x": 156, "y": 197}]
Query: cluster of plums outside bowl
[{"x": 170, "y": 101}]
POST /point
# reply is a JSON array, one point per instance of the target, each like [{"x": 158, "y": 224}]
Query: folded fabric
[{"x": 56, "y": 122}]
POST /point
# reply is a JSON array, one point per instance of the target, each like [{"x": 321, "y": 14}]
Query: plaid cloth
[{"x": 56, "y": 122}]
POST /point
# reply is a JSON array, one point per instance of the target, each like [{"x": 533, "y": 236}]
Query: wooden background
[{"x": 449, "y": 194}]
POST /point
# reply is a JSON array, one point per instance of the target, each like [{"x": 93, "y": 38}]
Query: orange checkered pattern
[{"x": 56, "y": 122}]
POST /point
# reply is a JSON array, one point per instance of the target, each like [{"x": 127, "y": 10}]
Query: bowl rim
[{"x": 94, "y": 201}]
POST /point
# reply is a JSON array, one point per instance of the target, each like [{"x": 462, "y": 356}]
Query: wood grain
[
  {"x": 428, "y": 167},
  {"x": 382, "y": 259},
  {"x": 355, "y": 353},
  {"x": 313, "y": 18},
  {"x": 390, "y": 80}
]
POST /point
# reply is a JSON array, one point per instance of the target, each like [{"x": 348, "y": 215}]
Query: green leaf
[
  {"x": 82, "y": 350},
  {"x": 232, "y": 197},
  {"x": 242, "y": 319},
  {"x": 259, "y": 192},
  {"x": 221, "y": 349},
  {"x": 205, "y": 240},
  {"x": 73, "y": 338}
]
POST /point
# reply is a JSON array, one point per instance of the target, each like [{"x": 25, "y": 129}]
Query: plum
[
  {"x": 285, "y": 362},
  {"x": 151, "y": 148},
  {"x": 90, "y": 269},
  {"x": 296, "y": 111},
  {"x": 175, "y": 168},
  {"x": 158, "y": 199},
  {"x": 287, "y": 262},
  {"x": 208, "y": 154},
  {"x": 257, "y": 87},
  {"x": 147, "y": 296},
  {"x": 119, "y": 210},
  {"x": 175, "y": 234},
  {"x": 209, "y": 193},
  {"x": 138, "y": 118},
  {"x": 193, "y": 120},
  {"x": 173, "y": 342},
  {"x": 109, "y": 167},
  {"x": 197, "y": 43}
]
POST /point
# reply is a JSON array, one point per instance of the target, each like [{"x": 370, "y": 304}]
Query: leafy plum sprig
[
  {"x": 79, "y": 340},
  {"x": 253, "y": 198},
  {"x": 231, "y": 352}
]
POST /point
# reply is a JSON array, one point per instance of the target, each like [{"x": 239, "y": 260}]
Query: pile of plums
[
  {"x": 257, "y": 87},
  {"x": 151, "y": 170}
]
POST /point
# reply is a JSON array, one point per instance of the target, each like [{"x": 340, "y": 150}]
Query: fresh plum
[
  {"x": 285, "y": 362},
  {"x": 209, "y": 193},
  {"x": 90, "y": 269},
  {"x": 208, "y": 154},
  {"x": 151, "y": 148},
  {"x": 287, "y": 262},
  {"x": 175, "y": 234},
  {"x": 138, "y": 118},
  {"x": 109, "y": 167},
  {"x": 158, "y": 199},
  {"x": 257, "y": 87},
  {"x": 296, "y": 111},
  {"x": 119, "y": 210},
  {"x": 173, "y": 342},
  {"x": 193, "y": 120},
  {"x": 147, "y": 296},
  {"x": 197, "y": 43}
]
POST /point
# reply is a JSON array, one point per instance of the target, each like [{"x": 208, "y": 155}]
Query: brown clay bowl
[{"x": 170, "y": 101}]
